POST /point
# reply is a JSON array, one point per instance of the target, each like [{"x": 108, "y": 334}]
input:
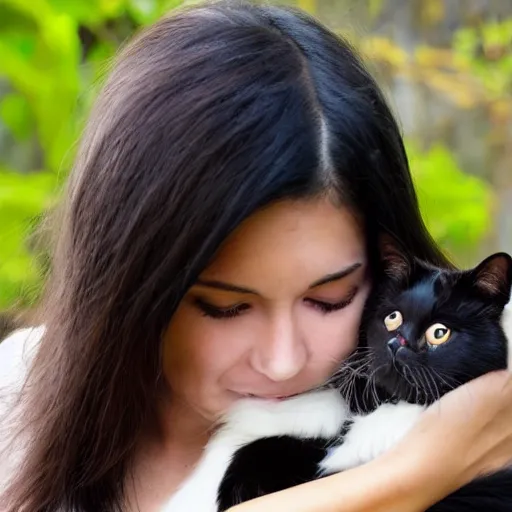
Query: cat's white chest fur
[{"x": 317, "y": 414}]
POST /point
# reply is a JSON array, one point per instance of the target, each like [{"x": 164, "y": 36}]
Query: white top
[{"x": 16, "y": 353}]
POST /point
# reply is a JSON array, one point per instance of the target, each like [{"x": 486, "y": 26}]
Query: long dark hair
[{"x": 207, "y": 116}]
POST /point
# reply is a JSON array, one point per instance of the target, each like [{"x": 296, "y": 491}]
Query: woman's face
[{"x": 275, "y": 312}]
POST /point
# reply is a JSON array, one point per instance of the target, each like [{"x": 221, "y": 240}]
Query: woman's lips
[{"x": 267, "y": 397}]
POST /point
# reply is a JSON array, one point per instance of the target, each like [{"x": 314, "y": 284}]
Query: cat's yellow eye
[
  {"x": 393, "y": 321},
  {"x": 437, "y": 334}
]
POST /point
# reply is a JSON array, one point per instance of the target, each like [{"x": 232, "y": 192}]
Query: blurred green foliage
[
  {"x": 486, "y": 53},
  {"x": 456, "y": 207},
  {"x": 23, "y": 198},
  {"x": 54, "y": 54}
]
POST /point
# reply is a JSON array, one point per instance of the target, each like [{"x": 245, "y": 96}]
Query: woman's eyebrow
[{"x": 229, "y": 287}]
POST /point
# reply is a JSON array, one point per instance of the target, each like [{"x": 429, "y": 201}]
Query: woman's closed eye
[
  {"x": 234, "y": 310},
  {"x": 329, "y": 307},
  {"x": 212, "y": 311}
]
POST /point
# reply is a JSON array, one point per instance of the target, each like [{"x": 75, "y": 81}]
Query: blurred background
[{"x": 445, "y": 65}]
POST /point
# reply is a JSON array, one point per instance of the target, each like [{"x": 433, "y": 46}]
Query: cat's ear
[
  {"x": 493, "y": 277},
  {"x": 395, "y": 262}
]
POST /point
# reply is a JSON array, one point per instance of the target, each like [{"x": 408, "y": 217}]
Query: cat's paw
[{"x": 371, "y": 435}]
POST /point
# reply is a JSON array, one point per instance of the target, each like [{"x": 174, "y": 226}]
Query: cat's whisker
[
  {"x": 372, "y": 380},
  {"x": 456, "y": 382},
  {"x": 422, "y": 386},
  {"x": 350, "y": 390},
  {"x": 362, "y": 371},
  {"x": 430, "y": 386},
  {"x": 436, "y": 384},
  {"x": 432, "y": 378},
  {"x": 403, "y": 371},
  {"x": 345, "y": 373},
  {"x": 366, "y": 366},
  {"x": 412, "y": 389},
  {"x": 347, "y": 378},
  {"x": 365, "y": 390},
  {"x": 448, "y": 380},
  {"x": 436, "y": 373},
  {"x": 395, "y": 392},
  {"x": 352, "y": 364},
  {"x": 439, "y": 394},
  {"x": 347, "y": 387},
  {"x": 374, "y": 389},
  {"x": 416, "y": 386}
]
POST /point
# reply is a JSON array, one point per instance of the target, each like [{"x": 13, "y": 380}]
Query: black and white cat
[{"x": 425, "y": 331}]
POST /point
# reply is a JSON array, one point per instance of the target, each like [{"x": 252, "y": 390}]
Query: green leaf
[
  {"x": 90, "y": 13},
  {"x": 148, "y": 11},
  {"x": 16, "y": 115},
  {"x": 12, "y": 20},
  {"x": 23, "y": 198},
  {"x": 455, "y": 205},
  {"x": 143, "y": 10}
]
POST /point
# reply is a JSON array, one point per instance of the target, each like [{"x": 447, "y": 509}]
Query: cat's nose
[{"x": 395, "y": 343}]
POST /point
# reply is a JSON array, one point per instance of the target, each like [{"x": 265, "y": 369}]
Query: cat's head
[{"x": 430, "y": 330}]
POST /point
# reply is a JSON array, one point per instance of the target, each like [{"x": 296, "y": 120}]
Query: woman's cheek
[
  {"x": 221, "y": 343},
  {"x": 335, "y": 335}
]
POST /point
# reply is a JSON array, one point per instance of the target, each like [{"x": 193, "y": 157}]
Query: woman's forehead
[{"x": 305, "y": 239}]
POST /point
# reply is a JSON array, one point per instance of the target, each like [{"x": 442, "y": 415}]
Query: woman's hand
[{"x": 466, "y": 434}]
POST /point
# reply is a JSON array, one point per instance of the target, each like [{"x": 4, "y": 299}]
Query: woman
[{"x": 219, "y": 240}]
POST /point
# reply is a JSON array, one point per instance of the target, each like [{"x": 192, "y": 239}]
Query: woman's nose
[{"x": 282, "y": 354}]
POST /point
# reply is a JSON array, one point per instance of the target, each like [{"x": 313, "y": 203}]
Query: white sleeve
[{"x": 16, "y": 353}]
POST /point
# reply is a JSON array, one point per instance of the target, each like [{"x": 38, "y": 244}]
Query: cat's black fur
[{"x": 470, "y": 303}]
